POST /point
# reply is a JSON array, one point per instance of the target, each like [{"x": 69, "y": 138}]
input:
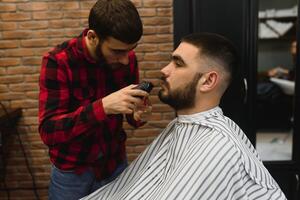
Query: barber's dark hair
[
  {"x": 217, "y": 48},
  {"x": 116, "y": 18}
]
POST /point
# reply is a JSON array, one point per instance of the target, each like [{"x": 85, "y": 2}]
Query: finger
[
  {"x": 131, "y": 106},
  {"x": 134, "y": 100},
  {"x": 130, "y": 87},
  {"x": 138, "y": 92},
  {"x": 137, "y": 115},
  {"x": 130, "y": 90},
  {"x": 128, "y": 110}
]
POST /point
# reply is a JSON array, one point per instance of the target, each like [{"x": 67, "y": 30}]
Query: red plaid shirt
[{"x": 72, "y": 122}]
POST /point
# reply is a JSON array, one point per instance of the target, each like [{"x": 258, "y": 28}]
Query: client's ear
[{"x": 209, "y": 81}]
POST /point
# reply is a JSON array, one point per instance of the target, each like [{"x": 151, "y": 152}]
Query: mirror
[{"x": 275, "y": 78}]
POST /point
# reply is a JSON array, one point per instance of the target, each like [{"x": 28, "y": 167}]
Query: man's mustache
[
  {"x": 164, "y": 81},
  {"x": 163, "y": 78}
]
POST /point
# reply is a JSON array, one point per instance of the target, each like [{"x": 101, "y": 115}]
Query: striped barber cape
[{"x": 200, "y": 156}]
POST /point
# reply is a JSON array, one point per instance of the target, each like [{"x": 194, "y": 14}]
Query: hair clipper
[{"x": 145, "y": 85}]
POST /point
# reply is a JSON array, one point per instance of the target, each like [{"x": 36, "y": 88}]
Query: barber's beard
[
  {"x": 180, "y": 98},
  {"x": 99, "y": 53},
  {"x": 101, "y": 57}
]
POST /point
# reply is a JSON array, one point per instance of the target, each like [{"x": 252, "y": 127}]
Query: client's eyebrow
[{"x": 177, "y": 59}]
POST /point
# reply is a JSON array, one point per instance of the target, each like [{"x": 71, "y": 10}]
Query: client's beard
[{"x": 180, "y": 98}]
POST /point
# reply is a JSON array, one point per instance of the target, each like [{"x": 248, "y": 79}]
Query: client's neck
[{"x": 200, "y": 106}]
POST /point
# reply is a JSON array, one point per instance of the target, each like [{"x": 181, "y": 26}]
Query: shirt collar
[{"x": 200, "y": 116}]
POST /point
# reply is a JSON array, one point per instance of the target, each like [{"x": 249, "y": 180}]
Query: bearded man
[
  {"x": 201, "y": 154},
  {"x": 86, "y": 87}
]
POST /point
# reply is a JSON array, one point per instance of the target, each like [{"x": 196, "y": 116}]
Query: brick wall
[{"x": 27, "y": 30}]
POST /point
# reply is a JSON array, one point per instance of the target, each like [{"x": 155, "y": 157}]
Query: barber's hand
[
  {"x": 137, "y": 115},
  {"x": 142, "y": 112},
  {"x": 123, "y": 101}
]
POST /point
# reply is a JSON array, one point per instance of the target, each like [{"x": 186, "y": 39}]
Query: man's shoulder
[{"x": 62, "y": 50}]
